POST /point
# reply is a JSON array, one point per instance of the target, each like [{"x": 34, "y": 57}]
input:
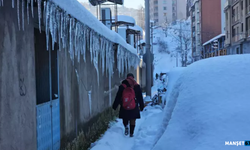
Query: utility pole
[{"x": 148, "y": 53}]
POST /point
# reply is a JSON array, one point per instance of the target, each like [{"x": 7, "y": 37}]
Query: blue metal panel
[
  {"x": 56, "y": 124},
  {"x": 44, "y": 139}
]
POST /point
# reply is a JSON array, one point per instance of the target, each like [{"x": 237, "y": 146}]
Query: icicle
[
  {"x": 90, "y": 102},
  {"x": 51, "y": 24},
  {"x": 18, "y": 15},
  {"x": 44, "y": 12},
  {"x": 39, "y": 2},
  {"x": 84, "y": 43},
  {"x": 103, "y": 56},
  {"x": 32, "y": 10},
  {"x": 96, "y": 66},
  {"x": 47, "y": 23},
  {"x": 23, "y": 14},
  {"x": 56, "y": 21},
  {"x": 13, "y": 3},
  {"x": 91, "y": 45},
  {"x": 58, "y": 18},
  {"x": 62, "y": 28},
  {"x": 71, "y": 39},
  {"x": 107, "y": 57},
  {"x": 28, "y": 12},
  {"x": 118, "y": 60}
]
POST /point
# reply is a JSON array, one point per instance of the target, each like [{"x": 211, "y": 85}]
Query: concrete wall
[
  {"x": 75, "y": 83},
  {"x": 17, "y": 83},
  {"x": 18, "y": 86}
]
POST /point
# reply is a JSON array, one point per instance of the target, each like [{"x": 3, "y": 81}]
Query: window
[
  {"x": 237, "y": 50},
  {"x": 156, "y": 8},
  {"x": 164, "y": 8},
  {"x": 164, "y": 1},
  {"x": 233, "y": 34}
]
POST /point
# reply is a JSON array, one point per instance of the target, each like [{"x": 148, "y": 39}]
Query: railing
[
  {"x": 238, "y": 37},
  {"x": 236, "y": 18},
  {"x": 235, "y": 1},
  {"x": 248, "y": 10},
  {"x": 193, "y": 24},
  {"x": 248, "y": 33}
]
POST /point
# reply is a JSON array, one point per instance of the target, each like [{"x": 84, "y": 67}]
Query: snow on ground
[
  {"x": 144, "y": 136},
  {"x": 209, "y": 104}
]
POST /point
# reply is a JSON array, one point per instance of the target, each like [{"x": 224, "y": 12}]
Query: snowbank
[{"x": 212, "y": 106}]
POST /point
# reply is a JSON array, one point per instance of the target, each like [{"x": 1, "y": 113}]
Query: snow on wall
[{"x": 84, "y": 32}]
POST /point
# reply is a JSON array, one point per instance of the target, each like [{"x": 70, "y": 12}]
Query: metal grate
[
  {"x": 44, "y": 138},
  {"x": 56, "y": 124}
]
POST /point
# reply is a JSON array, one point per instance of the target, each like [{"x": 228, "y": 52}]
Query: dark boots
[
  {"x": 132, "y": 128},
  {"x": 126, "y": 131}
]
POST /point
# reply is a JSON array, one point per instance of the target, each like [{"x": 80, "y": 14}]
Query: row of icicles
[{"x": 73, "y": 35}]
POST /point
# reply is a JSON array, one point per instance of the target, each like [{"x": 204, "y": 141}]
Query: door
[{"x": 47, "y": 91}]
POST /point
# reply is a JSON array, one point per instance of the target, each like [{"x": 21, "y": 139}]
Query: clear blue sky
[{"x": 127, "y": 3}]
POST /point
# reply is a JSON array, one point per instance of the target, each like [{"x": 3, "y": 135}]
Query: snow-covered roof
[
  {"x": 97, "y": 2},
  {"x": 215, "y": 38},
  {"x": 124, "y": 19},
  {"x": 75, "y": 9},
  {"x": 135, "y": 28}
]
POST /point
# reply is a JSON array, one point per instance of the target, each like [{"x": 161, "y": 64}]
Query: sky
[{"x": 127, "y": 3}]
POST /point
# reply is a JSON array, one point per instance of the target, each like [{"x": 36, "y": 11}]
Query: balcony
[
  {"x": 248, "y": 33},
  {"x": 237, "y": 38},
  {"x": 248, "y": 10},
  {"x": 193, "y": 24},
  {"x": 236, "y": 19},
  {"x": 235, "y": 2}
]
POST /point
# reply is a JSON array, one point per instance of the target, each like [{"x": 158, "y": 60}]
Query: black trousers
[{"x": 131, "y": 123}]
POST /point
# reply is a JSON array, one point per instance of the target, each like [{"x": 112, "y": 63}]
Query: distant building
[
  {"x": 167, "y": 11},
  {"x": 206, "y": 23},
  {"x": 237, "y": 30}
]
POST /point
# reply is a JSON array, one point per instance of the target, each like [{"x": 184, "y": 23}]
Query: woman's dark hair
[{"x": 130, "y": 75}]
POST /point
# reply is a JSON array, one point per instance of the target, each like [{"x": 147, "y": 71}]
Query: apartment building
[
  {"x": 167, "y": 11},
  {"x": 216, "y": 45},
  {"x": 206, "y": 23},
  {"x": 237, "y": 13}
]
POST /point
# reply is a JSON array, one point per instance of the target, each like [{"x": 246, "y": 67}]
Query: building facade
[
  {"x": 167, "y": 11},
  {"x": 206, "y": 24},
  {"x": 237, "y": 14}
]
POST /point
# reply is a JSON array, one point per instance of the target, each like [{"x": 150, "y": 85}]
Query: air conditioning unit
[{"x": 106, "y": 17}]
